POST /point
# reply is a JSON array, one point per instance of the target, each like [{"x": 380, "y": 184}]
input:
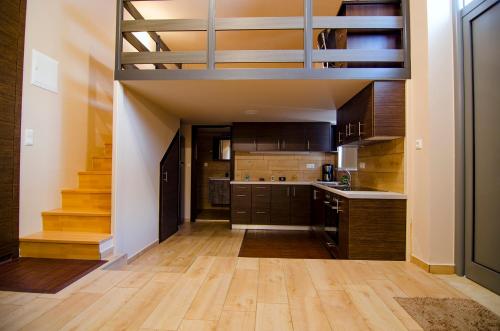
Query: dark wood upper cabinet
[
  {"x": 376, "y": 113},
  {"x": 292, "y": 137}
]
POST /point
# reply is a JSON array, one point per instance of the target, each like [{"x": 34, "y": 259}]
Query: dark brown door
[
  {"x": 293, "y": 137},
  {"x": 170, "y": 189},
  {"x": 12, "y": 19},
  {"x": 268, "y": 136},
  {"x": 300, "y": 205},
  {"x": 280, "y": 204}
]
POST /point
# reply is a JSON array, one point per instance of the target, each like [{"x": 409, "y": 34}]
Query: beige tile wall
[
  {"x": 292, "y": 166},
  {"x": 384, "y": 166}
]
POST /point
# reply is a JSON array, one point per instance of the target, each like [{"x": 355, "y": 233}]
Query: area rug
[
  {"x": 43, "y": 275},
  {"x": 450, "y": 314}
]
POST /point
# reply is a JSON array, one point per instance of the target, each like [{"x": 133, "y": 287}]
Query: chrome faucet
[{"x": 349, "y": 174}]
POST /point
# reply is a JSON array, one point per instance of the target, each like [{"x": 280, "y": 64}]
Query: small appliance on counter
[{"x": 327, "y": 173}]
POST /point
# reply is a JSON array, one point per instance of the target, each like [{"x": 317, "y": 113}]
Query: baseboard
[
  {"x": 433, "y": 268},
  {"x": 269, "y": 227},
  {"x": 142, "y": 251},
  {"x": 211, "y": 221}
]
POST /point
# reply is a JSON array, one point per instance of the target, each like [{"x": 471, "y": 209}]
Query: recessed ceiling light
[{"x": 251, "y": 112}]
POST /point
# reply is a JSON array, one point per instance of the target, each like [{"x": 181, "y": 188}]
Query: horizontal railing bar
[
  {"x": 358, "y": 55},
  {"x": 259, "y": 56},
  {"x": 164, "y": 57},
  {"x": 164, "y": 25},
  {"x": 260, "y": 23},
  {"x": 138, "y": 45},
  {"x": 273, "y": 74},
  {"x": 358, "y": 22}
]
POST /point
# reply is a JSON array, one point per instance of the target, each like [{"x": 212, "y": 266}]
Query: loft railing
[{"x": 168, "y": 63}]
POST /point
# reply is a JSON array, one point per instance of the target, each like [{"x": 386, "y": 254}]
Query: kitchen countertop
[{"x": 346, "y": 194}]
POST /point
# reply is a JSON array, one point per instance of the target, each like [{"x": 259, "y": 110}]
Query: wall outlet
[
  {"x": 362, "y": 165},
  {"x": 310, "y": 166},
  {"x": 28, "y": 137},
  {"x": 419, "y": 144}
]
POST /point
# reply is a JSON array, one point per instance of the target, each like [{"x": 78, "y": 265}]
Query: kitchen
[{"x": 343, "y": 182}]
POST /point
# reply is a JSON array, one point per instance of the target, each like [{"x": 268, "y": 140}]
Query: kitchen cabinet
[
  {"x": 364, "y": 229},
  {"x": 376, "y": 113},
  {"x": 271, "y": 137},
  {"x": 267, "y": 204}
]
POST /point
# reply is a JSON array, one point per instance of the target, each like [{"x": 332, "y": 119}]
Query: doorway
[
  {"x": 211, "y": 173},
  {"x": 170, "y": 189},
  {"x": 481, "y": 51}
]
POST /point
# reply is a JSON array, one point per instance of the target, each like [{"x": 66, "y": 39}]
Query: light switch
[
  {"x": 362, "y": 165},
  {"x": 44, "y": 71},
  {"x": 419, "y": 144},
  {"x": 28, "y": 137}
]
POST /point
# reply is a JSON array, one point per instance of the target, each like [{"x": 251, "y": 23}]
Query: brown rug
[
  {"x": 43, "y": 275},
  {"x": 282, "y": 244},
  {"x": 450, "y": 314}
]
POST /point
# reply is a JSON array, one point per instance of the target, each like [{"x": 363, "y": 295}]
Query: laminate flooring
[{"x": 196, "y": 281}]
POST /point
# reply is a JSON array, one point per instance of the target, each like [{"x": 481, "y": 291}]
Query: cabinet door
[
  {"x": 243, "y": 137},
  {"x": 343, "y": 210},
  {"x": 318, "y": 137},
  {"x": 317, "y": 210},
  {"x": 292, "y": 136},
  {"x": 300, "y": 205},
  {"x": 268, "y": 137},
  {"x": 280, "y": 204}
]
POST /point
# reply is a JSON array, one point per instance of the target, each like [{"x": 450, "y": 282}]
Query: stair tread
[
  {"x": 67, "y": 237},
  {"x": 81, "y": 212},
  {"x": 95, "y": 172},
  {"x": 86, "y": 190}
]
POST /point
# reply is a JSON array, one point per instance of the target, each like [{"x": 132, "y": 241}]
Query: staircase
[{"x": 81, "y": 229}]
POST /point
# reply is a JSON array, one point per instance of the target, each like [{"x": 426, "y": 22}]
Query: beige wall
[
  {"x": 384, "y": 166},
  {"x": 70, "y": 125},
  {"x": 142, "y": 133},
  {"x": 430, "y": 116},
  {"x": 292, "y": 166}
]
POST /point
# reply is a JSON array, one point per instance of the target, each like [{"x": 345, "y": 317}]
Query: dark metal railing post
[
  {"x": 119, "y": 37},
  {"x": 211, "y": 35},
  {"x": 308, "y": 34}
]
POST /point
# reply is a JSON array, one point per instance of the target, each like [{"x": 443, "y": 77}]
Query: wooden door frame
[
  {"x": 194, "y": 153},
  {"x": 175, "y": 140}
]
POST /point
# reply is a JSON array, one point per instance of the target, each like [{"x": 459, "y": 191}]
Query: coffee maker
[{"x": 327, "y": 173}]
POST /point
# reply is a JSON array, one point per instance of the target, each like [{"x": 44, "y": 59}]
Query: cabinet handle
[
  {"x": 308, "y": 145},
  {"x": 284, "y": 144},
  {"x": 359, "y": 128},
  {"x": 242, "y": 187},
  {"x": 294, "y": 191},
  {"x": 260, "y": 195},
  {"x": 288, "y": 191},
  {"x": 255, "y": 144},
  {"x": 346, "y": 131},
  {"x": 260, "y": 212},
  {"x": 340, "y": 135},
  {"x": 326, "y": 202},
  {"x": 279, "y": 145},
  {"x": 261, "y": 187},
  {"x": 241, "y": 212},
  {"x": 315, "y": 197},
  {"x": 241, "y": 195}
]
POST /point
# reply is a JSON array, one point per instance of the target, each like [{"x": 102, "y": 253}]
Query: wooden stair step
[
  {"x": 102, "y": 163},
  {"x": 86, "y": 199},
  {"x": 94, "y": 179},
  {"x": 97, "y": 221},
  {"x": 66, "y": 245}
]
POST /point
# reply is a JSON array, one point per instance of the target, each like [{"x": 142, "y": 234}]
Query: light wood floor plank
[
  {"x": 271, "y": 317},
  {"x": 136, "y": 279},
  {"x": 272, "y": 285},
  {"x": 307, "y": 314},
  {"x": 298, "y": 281},
  {"x": 341, "y": 312},
  {"x": 242, "y": 295},
  {"x": 237, "y": 321},
  {"x": 27, "y": 313},
  {"x": 197, "y": 325}
]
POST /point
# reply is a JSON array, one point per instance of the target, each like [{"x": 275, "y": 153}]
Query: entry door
[
  {"x": 170, "y": 191},
  {"x": 481, "y": 31}
]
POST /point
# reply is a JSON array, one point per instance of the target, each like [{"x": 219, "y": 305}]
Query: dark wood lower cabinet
[
  {"x": 280, "y": 204},
  {"x": 300, "y": 205}
]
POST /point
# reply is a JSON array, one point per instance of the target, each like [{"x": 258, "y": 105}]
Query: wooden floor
[
  {"x": 283, "y": 244},
  {"x": 195, "y": 281},
  {"x": 214, "y": 214}
]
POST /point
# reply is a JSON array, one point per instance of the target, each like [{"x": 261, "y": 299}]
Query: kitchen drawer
[
  {"x": 261, "y": 196},
  {"x": 261, "y": 216},
  {"x": 241, "y": 216},
  {"x": 241, "y": 189},
  {"x": 241, "y": 200}
]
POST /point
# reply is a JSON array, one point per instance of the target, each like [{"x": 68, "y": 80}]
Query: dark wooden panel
[
  {"x": 377, "y": 229},
  {"x": 261, "y": 216},
  {"x": 280, "y": 204},
  {"x": 12, "y": 22},
  {"x": 241, "y": 215},
  {"x": 241, "y": 200},
  {"x": 318, "y": 137},
  {"x": 300, "y": 205},
  {"x": 261, "y": 197},
  {"x": 389, "y": 108}
]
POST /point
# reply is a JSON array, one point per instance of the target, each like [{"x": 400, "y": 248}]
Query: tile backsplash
[{"x": 293, "y": 166}]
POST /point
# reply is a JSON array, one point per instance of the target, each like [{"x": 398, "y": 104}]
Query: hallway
[{"x": 195, "y": 281}]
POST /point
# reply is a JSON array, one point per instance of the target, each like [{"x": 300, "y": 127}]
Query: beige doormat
[{"x": 450, "y": 314}]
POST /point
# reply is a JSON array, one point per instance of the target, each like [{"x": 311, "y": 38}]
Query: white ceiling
[{"x": 211, "y": 102}]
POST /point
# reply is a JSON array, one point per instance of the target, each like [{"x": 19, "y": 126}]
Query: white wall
[
  {"x": 142, "y": 133},
  {"x": 73, "y": 124},
  {"x": 430, "y": 106}
]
